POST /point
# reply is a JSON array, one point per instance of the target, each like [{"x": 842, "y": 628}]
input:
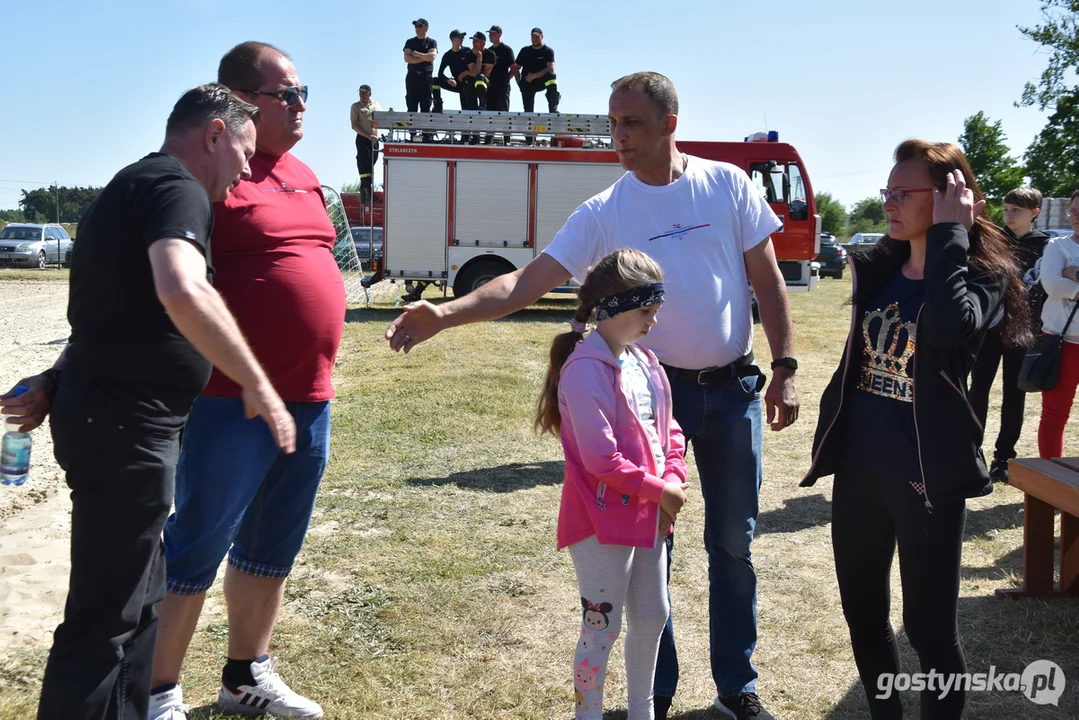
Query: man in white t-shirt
[{"x": 708, "y": 227}]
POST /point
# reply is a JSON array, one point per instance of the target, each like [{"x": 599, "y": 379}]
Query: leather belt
[{"x": 742, "y": 367}]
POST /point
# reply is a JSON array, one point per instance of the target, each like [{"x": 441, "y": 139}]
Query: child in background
[
  {"x": 609, "y": 400},
  {"x": 1021, "y": 208}
]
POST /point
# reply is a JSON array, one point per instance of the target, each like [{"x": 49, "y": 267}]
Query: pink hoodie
[{"x": 611, "y": 489}]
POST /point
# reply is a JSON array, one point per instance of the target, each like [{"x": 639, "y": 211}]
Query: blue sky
[{"x": 843, "y": 80}]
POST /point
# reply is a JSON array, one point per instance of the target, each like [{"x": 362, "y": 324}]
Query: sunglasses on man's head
[{"x": 291, "y": 96}]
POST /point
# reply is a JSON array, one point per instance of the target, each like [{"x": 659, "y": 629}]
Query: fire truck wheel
[{"x": 477, "y": 275}]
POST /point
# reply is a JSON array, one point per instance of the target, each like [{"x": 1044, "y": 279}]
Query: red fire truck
[{"x": 458, "y": 214}]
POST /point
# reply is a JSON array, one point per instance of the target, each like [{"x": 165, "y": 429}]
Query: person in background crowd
[
  {"x": 420, "y": 54},
  {"x": 498, "y": 94},
  {"x": 1021, "y": 208},
  {"x": 145, "y": 325},
  {"x": 456, "y": 60},
  {"x": 895, "y": 425},
  {"x": 366, "y": 140},
  {"x": 1059, "y": 277},
  {"x": 236, "y": 494},
  {"x": 481, "y": 62},
  {"x": 535, "y": 68}
]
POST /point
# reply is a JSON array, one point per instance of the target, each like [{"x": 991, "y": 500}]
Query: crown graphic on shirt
[{"x": 893, "y": 347}]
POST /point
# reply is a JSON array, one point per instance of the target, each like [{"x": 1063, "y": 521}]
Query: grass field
[{"x": 429, "y": 586}]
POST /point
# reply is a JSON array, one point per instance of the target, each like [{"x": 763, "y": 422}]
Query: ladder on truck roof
[{"x": 471, "y": 122}]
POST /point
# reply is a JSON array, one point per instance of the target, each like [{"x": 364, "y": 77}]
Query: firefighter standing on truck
[
  {"x": 535, "y": 65},
  {"x": 482, "y": 61},
  {"x": 498, "y": 94},
  {"x": 366, "y": 139},
  {"x": 420, "y": 53},
  {"x": 456, "y": 60}
]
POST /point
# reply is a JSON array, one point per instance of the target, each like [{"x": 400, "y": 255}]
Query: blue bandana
[{"x": 638, "y": 297}]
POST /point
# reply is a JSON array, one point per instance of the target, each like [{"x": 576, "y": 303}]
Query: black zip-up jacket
[
  {"x": 1027, "y": 249},
  {"x": 959, "y": 306}
]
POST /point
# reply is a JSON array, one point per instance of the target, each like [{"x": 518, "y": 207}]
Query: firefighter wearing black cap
[
  {"x": 366, "y": 139},
  {"x": 420, "y": 53},
  {"x": 482, "y": 61},
  {"x": 498, "y": 93},
  {"x": 535, "y": 66},
  {"x": 456, "y": 60}
]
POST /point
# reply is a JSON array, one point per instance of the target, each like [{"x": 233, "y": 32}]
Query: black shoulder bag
[{"x": 1041, "y": 364}]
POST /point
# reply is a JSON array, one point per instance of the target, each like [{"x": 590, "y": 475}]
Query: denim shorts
[{"x": 236, "y": 493}]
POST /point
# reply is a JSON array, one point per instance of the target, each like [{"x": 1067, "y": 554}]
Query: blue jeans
[
  {"x": 722, "y": 423},
  {"x": 236, "y": 493}
]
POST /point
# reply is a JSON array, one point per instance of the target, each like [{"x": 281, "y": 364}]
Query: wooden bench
[{"x": 1048, "y": 486}]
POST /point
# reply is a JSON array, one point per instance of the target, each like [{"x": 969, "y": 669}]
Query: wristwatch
[{"x": 787, "y": 362}]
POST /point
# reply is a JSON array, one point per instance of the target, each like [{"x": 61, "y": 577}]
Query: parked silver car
[{"x": 27, "y": 245}]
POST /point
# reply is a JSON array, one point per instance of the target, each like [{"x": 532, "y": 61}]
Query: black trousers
[
  {"x": 547, "y": 84},
  {"x": 440, "y": 85},
  {"x": 418, "y": 92},
  {"x": 871, "y": 514},
  {"x": 498, "y": 96},
  {"x": 474, "y": 93},
  {"x": 366, "y": 157},
  {"x": 1014, "y": 401},
  {"x": 122, "y": 476}
]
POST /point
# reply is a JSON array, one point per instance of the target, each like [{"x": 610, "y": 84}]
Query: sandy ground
[{"x": 34, "y": 517}]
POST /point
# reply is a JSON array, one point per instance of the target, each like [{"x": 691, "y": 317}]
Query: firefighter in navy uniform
[
  {"x": 535, "y": 67},
  {"x": 481, "y": 63},
  {"x": 420, "y": 53},
  {"x": 498, "y": 92},
  {"x": 456, "y": 61}
]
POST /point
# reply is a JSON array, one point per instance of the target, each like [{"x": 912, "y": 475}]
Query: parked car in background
[
  {"x": 365, "y": 238},
  {"x": 1058, "y": 233},
  {"x": 832, "y": 258},
  {"x": 862, "y": 241},
  {"x": 33, "y": 245}
]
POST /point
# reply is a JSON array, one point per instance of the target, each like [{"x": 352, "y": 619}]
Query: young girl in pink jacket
[{"x": 609, "y": 400}]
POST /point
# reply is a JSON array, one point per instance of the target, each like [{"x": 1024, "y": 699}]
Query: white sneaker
[
  {"x": 268, "y": 696},
  {"x": 168, "y": 705}
]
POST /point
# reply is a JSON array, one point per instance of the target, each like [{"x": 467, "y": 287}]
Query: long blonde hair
[{"x": 617, "y": 272}]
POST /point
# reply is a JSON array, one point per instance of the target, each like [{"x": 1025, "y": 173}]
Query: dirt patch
[{"x": 33, "y": 332}]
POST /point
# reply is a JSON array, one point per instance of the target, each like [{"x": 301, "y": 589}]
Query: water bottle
[{"x": 15, "y": 463}]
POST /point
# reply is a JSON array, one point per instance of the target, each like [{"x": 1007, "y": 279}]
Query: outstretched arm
[{"x": 498, "y": 298}]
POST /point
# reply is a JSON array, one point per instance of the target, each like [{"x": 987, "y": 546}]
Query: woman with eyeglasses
[
  {"x": 1059, "y": 276},
  {"x": 896, "y": 428}
]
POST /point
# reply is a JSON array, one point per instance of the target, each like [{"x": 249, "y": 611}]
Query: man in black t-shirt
[
  {"x": 420, "y": 53},
  {"x": 498, "y": 94},
  {"x": 456, "y": 60},
  {"x": 481, "y": 62},
  {"x": 146, "y": 324},
  {"x": 535, "y": 66}
]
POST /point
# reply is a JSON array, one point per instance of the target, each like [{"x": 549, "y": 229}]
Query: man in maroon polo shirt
[{"x": 236, "y": 493}]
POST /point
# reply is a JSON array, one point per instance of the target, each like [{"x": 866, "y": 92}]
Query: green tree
[
  {"x": 1053, "y": 158},
  {"x": 833, "y": 216},
  {"x": 868, "y": 216},
  {"x": 995, "y": 170},
  {"x": 1059, "y": 32},
  {"x": 41, "y": 205}
]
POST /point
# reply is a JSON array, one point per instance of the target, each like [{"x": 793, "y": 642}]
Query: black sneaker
[
  {"x": 746, "y": 705},
  {"x": 661, "y": 705},
  {"x": 998, "y": 472}
]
